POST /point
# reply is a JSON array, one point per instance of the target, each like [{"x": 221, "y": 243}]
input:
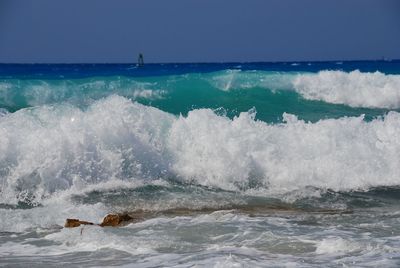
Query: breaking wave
[
  {"x": 356, "y": 89},
  {"x": 48, "y": 149},
  {"x": 16, "y": 94}
]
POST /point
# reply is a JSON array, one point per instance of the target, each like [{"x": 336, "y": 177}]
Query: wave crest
[
  {"x": 19, "y": 93},
  {"x": 49, "y": 149},
  {"x": 356, "y": 89}
]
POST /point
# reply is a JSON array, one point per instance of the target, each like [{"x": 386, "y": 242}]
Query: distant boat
[{"x": 140, "y": 60}]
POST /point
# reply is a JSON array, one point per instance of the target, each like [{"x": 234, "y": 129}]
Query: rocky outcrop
[
  {"x": 120, "y": 219},
  {"x": 112, "y": 220}
]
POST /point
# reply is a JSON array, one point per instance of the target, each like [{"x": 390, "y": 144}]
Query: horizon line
[{"x": 189, "y": 62}]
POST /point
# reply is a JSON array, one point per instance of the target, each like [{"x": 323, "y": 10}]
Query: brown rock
[
  {"x": 115, "y": 219},
  {"x": 72, "y": 223}
]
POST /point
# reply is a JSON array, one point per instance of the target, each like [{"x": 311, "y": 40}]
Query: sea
[{"x": 286, "y": 164}]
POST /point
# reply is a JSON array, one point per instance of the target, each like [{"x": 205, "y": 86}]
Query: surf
[
  {"x": 115, "y": 138},
  {"x": 311, "y": 96},
  {"x": 256, "y": 160}
]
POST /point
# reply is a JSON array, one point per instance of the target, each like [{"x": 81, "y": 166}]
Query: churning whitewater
[
  {"x": 50, "y": 148},
  {"x": 254, "y": 165}
]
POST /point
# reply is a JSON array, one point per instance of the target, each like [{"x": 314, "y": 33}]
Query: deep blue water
[{"x": 47, "y": 71}]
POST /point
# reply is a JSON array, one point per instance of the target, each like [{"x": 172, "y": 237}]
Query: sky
[{"x": 115, "y": 31}]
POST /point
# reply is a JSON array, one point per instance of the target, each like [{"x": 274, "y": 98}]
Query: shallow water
[{"x": 353, "y": 229}]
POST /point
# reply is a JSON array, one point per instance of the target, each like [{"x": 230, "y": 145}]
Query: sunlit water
[{"x": 236, "y": 165}]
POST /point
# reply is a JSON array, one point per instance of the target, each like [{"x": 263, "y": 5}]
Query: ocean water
[{"x": 235, "y": 165}]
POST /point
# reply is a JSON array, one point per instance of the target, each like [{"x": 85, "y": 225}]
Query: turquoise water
[
  {"x": 269, "y": 93},
  {"x": 235, "y": 165}
]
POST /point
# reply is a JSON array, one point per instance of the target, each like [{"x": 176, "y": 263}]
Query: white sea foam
[
  {"x": 337, "y": 245},
  {"x": 220, "y": 238},
  {"x": 48, "y": 216},
  {"x": 340, "y": 154},
  {"x": 50, "y": 149},
  {"x": 356, "y": 89}
]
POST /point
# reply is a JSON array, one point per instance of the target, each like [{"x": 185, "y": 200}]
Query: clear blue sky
[{"x": 67, "y": 31}]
